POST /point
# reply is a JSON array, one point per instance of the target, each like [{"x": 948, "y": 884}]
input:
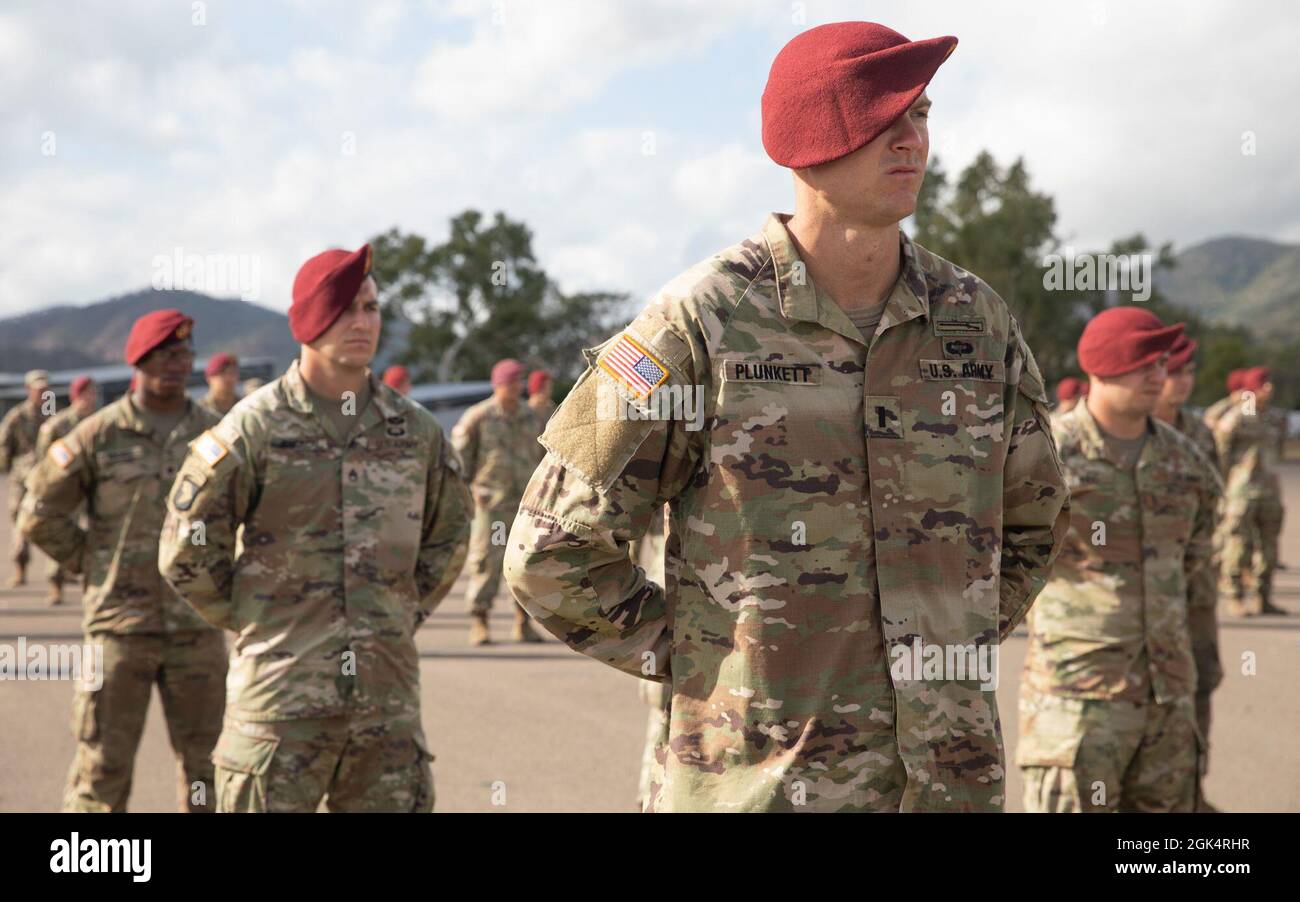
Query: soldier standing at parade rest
[
  {"x": 1180, "y": 379},
  {"x": 333, "y": 521},
  {"x": 83, "y": 397},
  {"x": 119, "y": 463},
  {"x": 1123, "y": 637},
  {"x": 19, "y": 431},
  {"x": 497, "y": 443},
  {"x": 222, "y": 373},
  {"x": 1250, "y": 436},
  {"x": 874, "y": 476},
  {"x": 540, "y": 384},
  {"x": 398, "y": 379}
]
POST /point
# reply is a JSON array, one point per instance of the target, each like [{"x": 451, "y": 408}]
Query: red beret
[
  {"x": 1180, "y": 354},
  {"x": 395, "y": 375},
  {"x": 506, "y": 370},
  {"x": 1234, "y": 381},
  {"x": 835, "y": 87},
  {"x": 1069, "y": 389},
  {"x": 152, "y": 330},
  {"x": 1254, "y": 379},
  {"x": 325, "y": 286},
  {"x": 218, "y": 362},
  {"x": 1123, "y": 339},
  {"x": 79, "y": 387},
  {"x": 535, "y": 380}
]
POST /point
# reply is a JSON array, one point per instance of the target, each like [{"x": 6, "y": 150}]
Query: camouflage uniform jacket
[
  {"x": 18, "y": 435},
  {"x": 499, "y": 451},
  {"x": 1250, "y": 447},
  {"x": 342, "y": 551},
  {"x": 1129, "y": 609},
  {"x": 795, "y": 568},
  {"x": 1200, "y": 434},
  {"x": 116, "y": 465},
  {"x": 209, "y": 403}
]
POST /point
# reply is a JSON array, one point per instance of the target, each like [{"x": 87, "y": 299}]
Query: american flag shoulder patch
[
  {"x": 61, "y": 453},
  {"x": 632, "y": 365},
  {"x": 209, "y": 449}
]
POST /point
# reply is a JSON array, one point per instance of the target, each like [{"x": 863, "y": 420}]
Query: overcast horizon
[{"x": 625, "y": 135}]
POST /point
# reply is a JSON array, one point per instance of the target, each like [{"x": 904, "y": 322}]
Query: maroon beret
[
  {"x": 834, "y": 88},
  {"x": 1181, "y": 354},
  {"x": 1123, "y": 339},
  {"x": 80, "y": 386},
  {"x": 1069, "y": 389},
  {"x": 395, "y": 375},
  {"x": 152, "y": 330},
  {"x": 1234, "y": 381},
  {"x": 218, "y": 362},
  {"x": 536, "y": 379},
  {"x": 325, "y": 286},
  {"x": 1254, "y": 379},
  {"x": 506, "y": 370}
]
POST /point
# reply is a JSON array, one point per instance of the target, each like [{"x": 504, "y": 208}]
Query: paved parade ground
[{"x": 545, "y": 729}]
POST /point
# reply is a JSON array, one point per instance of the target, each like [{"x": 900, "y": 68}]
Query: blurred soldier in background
[
  {"x": 398, "y": 379},
  {"x": 1215, "y": 411},
  {"x": 222, "y": 373},
  {"x": 497, "y": 443},
  {"x": 119, "y": 463},
  {"x": 1068, "y": 392},
  {"x": 251, "y": 385},
  {"x": 1123, "y": 637},
  {"x": 826, "y": 339},
  {"x": 1250, "y": 437},
  {"x": 19, "y": 431},
  {"x": 1180, "y": 379},
  {"x": 83, "y": 396},
  {"x": 539, "y": 395},
  {"x": 334, "y": 521}
]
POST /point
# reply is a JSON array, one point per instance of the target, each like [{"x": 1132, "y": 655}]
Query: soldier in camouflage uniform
[
  {"x": 19, "y": 431},
  {"x": 1215, "y": 411},
  {"x": 84, "y": 398},
  {"x": 119, "y": 463},
  {"x": 1250, "y": 438},
  {"x": 1123, "y": 637},
  {"x": 321, "y": 522},
  {"x": 222, "y": 375},
  {"x": 539, "y": 396},
  {"x": 497, "y": 443},
  {"x": 874, "y": 471}
]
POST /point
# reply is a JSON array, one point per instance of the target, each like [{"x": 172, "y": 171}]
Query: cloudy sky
[{"x": 624, "y": 132}]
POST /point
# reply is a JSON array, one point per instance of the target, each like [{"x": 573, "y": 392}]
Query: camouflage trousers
[
  {"x": 1248, "y": 542},
  {"x": 1088, "y": 755},
  {"x": 357, "y": 762},
  {"x": 658, "y": 696},
  {"x": 20, "y": 549},
  {"x": 486, "y": 556},
  {"x": 190, "y": 671}
]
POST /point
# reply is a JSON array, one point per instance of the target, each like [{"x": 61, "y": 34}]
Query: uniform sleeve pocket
[
  {"x": 1051, "y": 731},
  {"x": 593, "y": 433}
]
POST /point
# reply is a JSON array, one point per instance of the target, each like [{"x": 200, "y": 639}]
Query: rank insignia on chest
[
  {"x": 633, "y": 366},
  {"x": 209, "y": 449},
  {"x": 61, "y": 453}
]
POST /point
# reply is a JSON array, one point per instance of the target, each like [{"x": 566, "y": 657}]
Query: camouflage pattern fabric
[
  {"x": 792, "y": 571},
  {"x": 1108, "y": 755},
  {"x": 19, "y": 433},
  {"x": 499, "y": 451},
  {"x": 114, "y": 465},
  {"x": 1200, "y": 434},
  {"x": 209, "y": 403},
  {"x": 542, "y": 410},
  {"x": 189, "y": 669},
  {"x": 1125, "y": 630},
  {"x": 344, "y": 551},
  {"x": 53, "y": 429},
  {"x": 1250, "y": 445},
  {"x": 648, "y": 552},
  {"x": 364, "y": 762}
]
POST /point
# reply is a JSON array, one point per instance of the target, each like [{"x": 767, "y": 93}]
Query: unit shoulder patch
[{"x": 210, "y": 449}]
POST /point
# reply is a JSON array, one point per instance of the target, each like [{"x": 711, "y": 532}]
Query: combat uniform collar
[
  {"x": 1092, "y": 444},
  {"x": 908, "y": 300},
  {"x": 125, "y": 414},
  {"x": 299, "y": 398}
]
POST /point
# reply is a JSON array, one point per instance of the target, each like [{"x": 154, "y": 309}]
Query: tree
[{"x": 480, "y": 296}]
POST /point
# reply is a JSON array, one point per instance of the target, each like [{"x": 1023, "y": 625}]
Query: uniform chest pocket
[
  {"x": 956, "y": 424},
  {"x": 121, "y": 474}
]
